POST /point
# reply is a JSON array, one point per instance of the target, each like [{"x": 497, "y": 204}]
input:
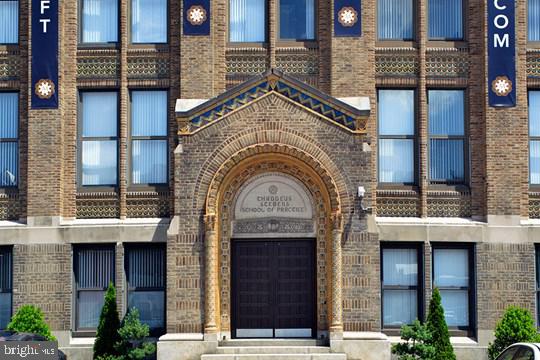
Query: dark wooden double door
[{"x": 273, "y": 288}]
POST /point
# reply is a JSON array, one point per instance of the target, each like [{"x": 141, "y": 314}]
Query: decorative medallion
[
  {"x": 501, "y": 86},
  {"x": 44, "y": 89},
  {"x": 273, "y": 189},
  {"x": 347, "y": 16},
  {"x": 196, "y": 15}
]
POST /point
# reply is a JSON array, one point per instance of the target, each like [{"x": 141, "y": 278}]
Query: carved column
[
  {"x": 336, "y": 328},
  {"x": 210, "y": 278}
]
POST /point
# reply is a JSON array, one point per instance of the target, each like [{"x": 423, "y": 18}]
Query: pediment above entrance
[
  {"x": 273, "y": 204},
  {"x": 349, "y": 113}
]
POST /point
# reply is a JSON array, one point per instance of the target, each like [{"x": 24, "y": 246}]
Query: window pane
[
  {"x": 399, "y": 307},
  {"x": 396, "y": 112},
  {"x": 5, "y": 269},
  {"x": 149, "y": 162},
  {"x": 534, "y": 20},
  {"x": 451, "y": 267},
  {"x": 525, "y": 353},
  {"x": 149, "y": 113},
  {"x": 5, "y": 309},
  {"x": 297, "y": 19},
  {"x": 456, "y": 307},
  {"x": 151, "y": 305},
  {"x": 9, "y": 22},
  {"x": 99, "y": 114},
  {"x": 95, "y": 268},
  {"x": 446, "y": 160},
  {"x": 395, "y": 19},
  {"x": 446, "y": 112},
  {"x": 9, "y": 163},
  {"x": 445, "y": 19},
  {"x": 100, "y": 21},
  {"x": 396, "y": 161},
  {"x": 99, "y": 162},
  {"x": 534, "y": 162},
  {"x": 247, "y": 20},
  {"x": 146, "y": 267},
  {"x": 534, "y": 113},
  {"x": 89, "y": 306},
  {"x": 9, "y": 114},
  {"x": 508, "y": 354},
  {"x": 149, "y": 21},
  {"x": 400, "y": 267}
]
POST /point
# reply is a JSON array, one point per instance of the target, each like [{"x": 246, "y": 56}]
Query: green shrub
[
  {"x": 417, "y": 343},
  {"x": 29, "y": 319},
  {"x": 109, "y": 323},
  {"x": 516, "y": 325},
  {"x": 133, "y": 333},
  {"x": 436, "y": 324}
]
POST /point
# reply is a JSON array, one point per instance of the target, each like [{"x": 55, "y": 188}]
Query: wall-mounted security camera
[{"x": 361, "y": 194}]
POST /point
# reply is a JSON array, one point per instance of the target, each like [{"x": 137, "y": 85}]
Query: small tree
[
  {"x": 109, "y": 323},
  {"x": 436, "y": 324},
  {"x": 516, "y": 325},
  {"x": 417, "y": 343},
  {"x": 29, "y": 318},
  {"x": 133, "y": 333}
]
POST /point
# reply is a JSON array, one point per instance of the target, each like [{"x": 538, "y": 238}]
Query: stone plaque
[{"x": 273, "y": 203}]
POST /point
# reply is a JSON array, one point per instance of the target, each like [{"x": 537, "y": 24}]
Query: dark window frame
[
  {"x": 391, "y": 42},
  {"x": 281, "y": 41},
  {"x": 80, "y": 140},
  {"x": 537, "y": 281},
  {"x": 420, "y": 288},
  {"x": 532, "y": 187},
  {"x": 464, "y": 137},
  {"x": 464, "y": 25},
  {"x": 8, "y": 249},
  {"x": 131, "y": 138},
  {"x": 535, "y": 44},
  {"x": 153, "y": 331},
  {"x": 5, "y": 45},
  {"x": 161, "y": 44},
  {"x": 470, "y": 330},
  {"x": 10, "y": 188},
  {"x": 414, "y": 138},
  {"x": 240, "y": 44},
  {"x": 108, "y": 44},
  {"x": 86, "y": 332}
]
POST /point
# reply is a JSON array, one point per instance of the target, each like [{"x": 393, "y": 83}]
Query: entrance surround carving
[{"x": 222, "y": 224}]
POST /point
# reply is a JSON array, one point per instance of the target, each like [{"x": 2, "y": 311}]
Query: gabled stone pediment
[{"x": 349, "y": 113}]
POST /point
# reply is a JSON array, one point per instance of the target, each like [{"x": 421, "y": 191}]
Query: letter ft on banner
[
  {"x": 44, "y": 54},
  {"x": 501, "y": 53}
]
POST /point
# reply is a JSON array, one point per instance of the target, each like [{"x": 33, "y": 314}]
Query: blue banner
[
  {"x": 196, "y": 17},
  {"x": 502, "y": 53},
  {"x": 347, "y": 18},
  {"x": 44, "y": 54}
]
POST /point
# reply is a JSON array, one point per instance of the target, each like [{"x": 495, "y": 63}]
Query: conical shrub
[{"x": 436, "y": 324}]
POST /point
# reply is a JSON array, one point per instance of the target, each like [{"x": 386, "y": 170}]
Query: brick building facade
[{"x": 306, "y": 112}]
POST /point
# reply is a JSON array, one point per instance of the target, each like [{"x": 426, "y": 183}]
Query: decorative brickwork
[
  {"x": 98, "y": 67},
  {"x": 444, "y": 63},
  {"x": 533, "y": 64},
  {"x": 534, "y": 205},
  {"x": 10, "y": 206},
  {"x": 396, "y": 62},
  {"x": 97, "y": 205},
  {"x": 302, "y": 63},
  {"x": 10, "y": 66},
  {"x": 398, "y": 203},
  {"x": 148, "y": 68},
  {"x": 148, "y": 204},
  {"x": 449, "y": 204}
]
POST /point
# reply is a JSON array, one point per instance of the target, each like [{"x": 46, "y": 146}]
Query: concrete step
[
  {"x": 273, "y": 342},
  {"x": 273, "y": 350},
  {"x": 274, "y": 357}
]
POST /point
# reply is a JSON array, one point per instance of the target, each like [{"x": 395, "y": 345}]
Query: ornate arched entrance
[{"x": 310, "y": 214}]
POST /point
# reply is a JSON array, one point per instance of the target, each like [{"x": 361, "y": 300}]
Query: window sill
[
  {"x": 83, "y": 337},
  {"x": 148, "y": 188},
  {"x": 308, "y": 44},
  {"x": 98, "y": 46},
  {"x": 393, "y": 186},
  {"x": 447, "y": 44},
  {"x": 404, "y": 44},
  {"x": 462, "y": 188}
]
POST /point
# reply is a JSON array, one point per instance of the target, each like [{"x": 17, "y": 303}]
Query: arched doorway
[{"x": 309, "y": 221}]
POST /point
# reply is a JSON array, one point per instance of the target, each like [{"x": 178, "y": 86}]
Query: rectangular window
[
  {"x": 446, "y": 113},
  {"x": 297, "y": 19},
  {"x": 395, "y": 19},
  {"x": 9, "y": 139},
  {"x": 247, "y": 20},
  {"x": 445, "y": 19},
  {"x": 148, "y": 21},
  {"x": 401, "y": 279},
  {"x": 533, "y": 20},
  {"x": 149, "y": 137},
  {"x": 145, "y": 271},
  {"x": 534, "y": 137},
  {"x": 9, "y": 21},
  {"x": 452, "y": 275},
  {"x": 98, "y": 138},
  {"x": 396, "y": 136},
  {"x": 99, "y": 21},
  {"x": 6, "y": 288},
  {"x": 94, "y": 270}
]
